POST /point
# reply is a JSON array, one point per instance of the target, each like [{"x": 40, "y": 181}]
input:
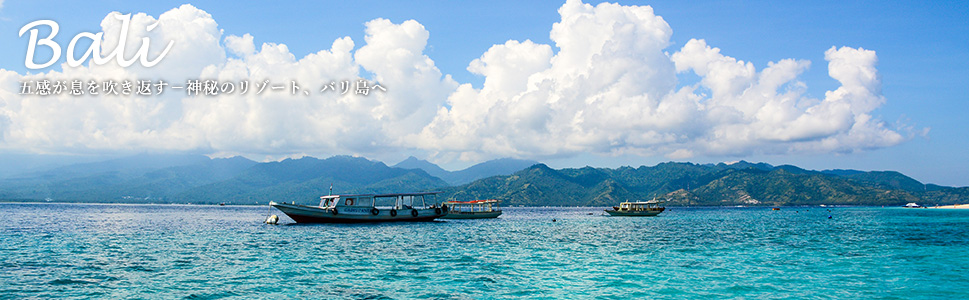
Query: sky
[{"x": 862, "y": 85}]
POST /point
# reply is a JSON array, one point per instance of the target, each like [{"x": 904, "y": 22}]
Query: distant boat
[
  {"x": 474, "y": 209},
  {"x": 912, "y": 205},
  {"x": 366, "y": 208},
  {"x": 638, "y": 209}
]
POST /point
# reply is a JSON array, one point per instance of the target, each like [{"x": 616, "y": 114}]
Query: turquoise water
[{"x": 209, "y": 252}]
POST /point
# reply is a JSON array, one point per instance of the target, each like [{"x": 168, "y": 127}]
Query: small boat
[
  {"x": 775, "y": 208},
  {"x": 366, "y": 208},
  {"x": 913, "y": 205},
  {"x": 474, "y": 209},
  {"x": 638, "y": 209}
]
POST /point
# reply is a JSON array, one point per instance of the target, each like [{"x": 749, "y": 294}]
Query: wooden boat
[
  {"x": 366, "y": 208},
  {"x": 474, "y": 209},
  {"x": 638, "y": 209}
]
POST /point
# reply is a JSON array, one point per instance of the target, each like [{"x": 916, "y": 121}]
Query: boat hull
[
  {"x": 314, "y": 214},
  {"x": 472, "y": 215},
  {"x": 635, "y": 213}
]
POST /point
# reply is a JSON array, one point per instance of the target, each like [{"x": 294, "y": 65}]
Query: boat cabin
[
  {"x": 474, "y": 209},
  {"x": 474, "y": 206},
  {"x": 366, "y": 202},
  {"x": 638, "y": 206},
  {"x": 638, "y": 209}
]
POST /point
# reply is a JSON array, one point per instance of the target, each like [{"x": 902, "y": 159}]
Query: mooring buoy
[{"x": 272, "y": 220}]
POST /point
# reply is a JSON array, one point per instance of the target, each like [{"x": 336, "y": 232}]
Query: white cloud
[
  {"x": 84, "y": 123},
  {"x": 272, "y": 123},
  {"x": 240, "y": 46},
  {"x": 609, "y": 89},
  {"x": 754, "y": 112},
  {"x": 393, "y": 53},
  {"x": 600, "y": 93}
]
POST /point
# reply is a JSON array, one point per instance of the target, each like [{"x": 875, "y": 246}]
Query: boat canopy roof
[
  {"x": 473, "y": 201},
  {"x": 654, "y": 201},
  {"x": 382, "y": 195}
]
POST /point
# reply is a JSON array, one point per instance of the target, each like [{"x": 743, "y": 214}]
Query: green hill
[{"x": 692, "y": 184}]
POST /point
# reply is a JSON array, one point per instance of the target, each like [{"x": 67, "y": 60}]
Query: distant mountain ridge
[
  {"x": 140, "y": 178},
  {"x": 420, "y": 164},
  {"x": 191, "y": 179},
  {"x": 304, "y": 180},
  {"x": 136, "y": 165},
  {"x": 237, "y": 180},
  {"x": 501, "y": 166}
]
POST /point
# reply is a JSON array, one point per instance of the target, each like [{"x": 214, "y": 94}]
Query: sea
[{"x": 118, "y": 251}]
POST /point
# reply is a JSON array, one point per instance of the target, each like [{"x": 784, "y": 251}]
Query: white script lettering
[{"x": 94, "y": 50}]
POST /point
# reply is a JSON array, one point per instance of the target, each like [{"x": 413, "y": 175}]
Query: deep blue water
[{"x": 209, "y": 252}]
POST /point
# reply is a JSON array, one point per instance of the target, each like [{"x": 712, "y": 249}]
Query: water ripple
[{"x": 212, "y": 252}]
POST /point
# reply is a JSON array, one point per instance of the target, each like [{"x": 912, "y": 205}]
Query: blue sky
[{"x": 922, "y": 64}]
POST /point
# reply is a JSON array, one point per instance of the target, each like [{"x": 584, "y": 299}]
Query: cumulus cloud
[
  {"x": 607, "y": 86},
  {"x": 67, "y": 123},
  {"x": 602, "y": 92},
  {"x": 611, "y": 89},
  {"x": 394, "y": 54},
  {"x": 273, "y": 123},
  {"x": 767, "y": 111}
]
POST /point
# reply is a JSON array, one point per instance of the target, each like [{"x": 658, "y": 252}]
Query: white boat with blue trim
[
  {"x": 638, "y": 209},
  {"x": 367, "y": 208}
]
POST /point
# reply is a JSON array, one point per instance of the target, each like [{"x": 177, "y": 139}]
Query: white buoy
[{"x": 272, "y": 220}]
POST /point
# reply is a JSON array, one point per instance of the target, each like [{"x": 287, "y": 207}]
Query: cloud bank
[{"x": 608, "y": 86}]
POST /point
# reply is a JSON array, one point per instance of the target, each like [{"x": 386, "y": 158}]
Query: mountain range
[
  {"x": 687, "y": 184},
  {"x": 237, "y": 180},
  {"x": 501, "y": 166},
  {"x": 198, "y": 179}
]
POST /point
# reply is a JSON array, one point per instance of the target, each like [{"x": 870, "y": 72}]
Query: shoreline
[{"x": 954, "y": 206}]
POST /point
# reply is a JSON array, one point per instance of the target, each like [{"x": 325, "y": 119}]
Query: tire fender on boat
[
  {"x": 334, "y": 212},
  {"x": 374, "y": 211},
  {"x": 413, "y": 212},
  {"x": 393, "y": 212},
  {"x": 437, "y": 211}
]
